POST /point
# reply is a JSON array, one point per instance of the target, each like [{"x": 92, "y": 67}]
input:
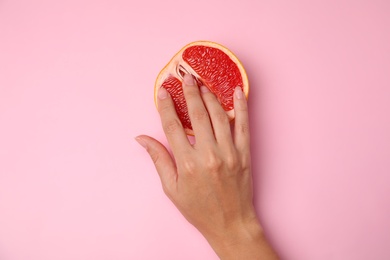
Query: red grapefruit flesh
[{"x": 213, "y": 66}]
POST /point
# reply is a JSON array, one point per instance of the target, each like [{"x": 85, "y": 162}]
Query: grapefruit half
[{"x": 211, "y": 65}]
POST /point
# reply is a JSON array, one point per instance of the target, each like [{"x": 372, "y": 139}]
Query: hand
[{"x": 210, "y": 182}]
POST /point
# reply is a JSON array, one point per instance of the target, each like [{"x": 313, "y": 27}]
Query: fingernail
[
  {"x": 239, "y": 93},
  {"x": 141, "y": 142},
  {"x": 204, "y": 89},
  {"x": 188, "y": 80},
  {"x": 162, "y": 93}
]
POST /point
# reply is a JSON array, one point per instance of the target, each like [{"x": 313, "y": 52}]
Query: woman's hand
[{"x": 210, "y": 182}]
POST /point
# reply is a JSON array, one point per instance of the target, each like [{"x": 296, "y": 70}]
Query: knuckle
[
  {"x": 213, "y": 163},
  {"x": 209, "y": 97},
  {"x": 191, "y": 93},
  {"x": 166, "y": 190},
  {"x": 246, "y": 162},
  {"x": 168, "y": 187},
  {"x": 189, "y": 166},
  {"x": 231, "y": 162},
  {"x": 169, "y": 191},
  {"x": 154, "y": 156},
  {"x": 243, "y": 128},
  {"x": 172, "y": 126},
  {"x": 199, "y": 114},
  {"x": 242, "y": 108},
  {"x": 222, "y": 117},
  {"x": 164, "y": 107}
]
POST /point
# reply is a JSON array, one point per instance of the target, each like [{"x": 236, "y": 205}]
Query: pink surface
[{"x": 76, "y": 85}]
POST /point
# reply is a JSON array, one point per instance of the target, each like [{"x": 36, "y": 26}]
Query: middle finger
[{"x": 197, "y": 112}]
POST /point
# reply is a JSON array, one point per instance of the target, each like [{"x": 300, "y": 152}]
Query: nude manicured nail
[
  {"x": 204, "y": 89},
  {"x": 162, "y": 93},
  {"x": 141, "y": 142},
  {"x": 239, "y": 93},
  {"x": 188, "y": 80}
]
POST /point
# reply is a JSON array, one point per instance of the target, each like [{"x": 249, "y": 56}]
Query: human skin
[{"x": 210, "y": 182}]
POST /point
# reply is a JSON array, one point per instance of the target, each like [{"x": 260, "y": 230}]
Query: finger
[
  {"x": 241, "y": 123},
  {"x": 171, "y": 124},
  {"x": 218, "y": 116},
  {"x": 162, "y": 160},
  {"x": 197, "y": 111}
]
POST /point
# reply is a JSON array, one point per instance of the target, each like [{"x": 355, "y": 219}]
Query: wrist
[{"x": 243, "y": 240}]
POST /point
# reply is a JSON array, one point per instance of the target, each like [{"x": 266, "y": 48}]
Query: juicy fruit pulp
[{"x": 210, "y": 67}]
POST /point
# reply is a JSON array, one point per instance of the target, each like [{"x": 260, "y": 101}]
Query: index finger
[{"x": 171, "y": 124}]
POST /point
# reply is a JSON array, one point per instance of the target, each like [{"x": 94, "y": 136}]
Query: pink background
[{"x": 76, "y": 86}]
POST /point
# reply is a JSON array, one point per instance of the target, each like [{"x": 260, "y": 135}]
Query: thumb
[{"x": 162, "y": 160}]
